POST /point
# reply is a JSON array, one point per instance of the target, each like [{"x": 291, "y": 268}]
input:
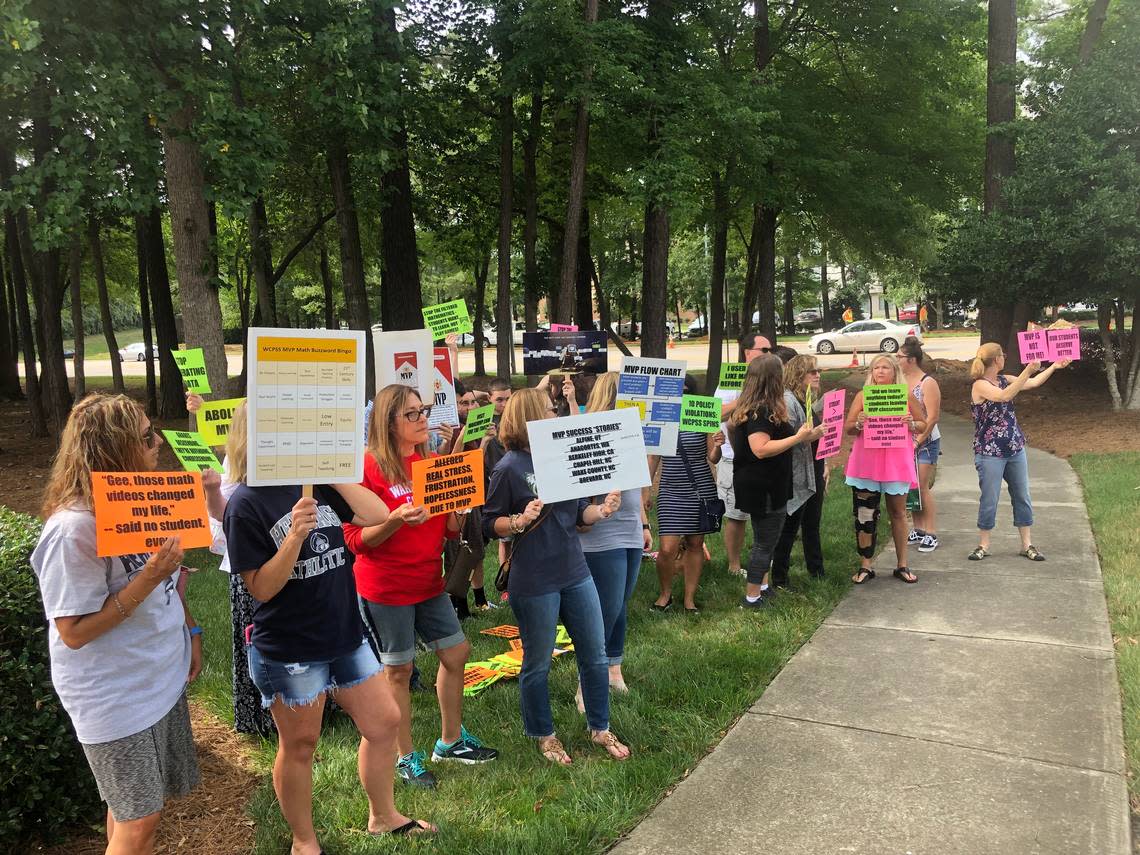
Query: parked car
[
  {"x": 909, "y": 314},
  {"x": 872, "y": 335},
  {"x": 696, "y": 329},
  {"x": 68, "y": 353},
  {"x": 808, "y": 316},
  {"x": 137, "y": 352}
]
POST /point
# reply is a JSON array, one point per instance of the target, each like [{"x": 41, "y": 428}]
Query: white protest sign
[
  {"x": 655, "y": 387},
  {"x": 588, "y": 455},
  {"x": 405, "y": 357},
  {"x": 444, "y": 409},
  {"x": 305, "y": 395}
]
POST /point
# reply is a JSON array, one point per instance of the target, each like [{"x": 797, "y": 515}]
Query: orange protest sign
[
  {"x": 504, "y": 631},
  {"x": 448, "y": 483},
  {"x": 515, "y": 643},
  {"x": 138, "y": 511}
]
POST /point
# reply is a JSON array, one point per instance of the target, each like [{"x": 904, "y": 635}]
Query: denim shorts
[
  {"x": 300, "y": 683},
  {"x": 395, "y": 628},
  {"x": 929, "y": 452}
]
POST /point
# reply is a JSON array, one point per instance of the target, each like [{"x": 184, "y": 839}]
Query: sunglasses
[
  {"x": 416, "y": 415},
  {"x": 150, "y": 438},
  {"x": 758, "y": 349}
]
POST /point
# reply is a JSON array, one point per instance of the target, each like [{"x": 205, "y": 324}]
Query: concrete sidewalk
[{"x": 975, "y": 712}]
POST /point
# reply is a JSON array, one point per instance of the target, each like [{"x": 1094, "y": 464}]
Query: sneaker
[
  {"x": 466, "y": 749},
  {"x": 761, "y": 603},
  {"x": 412, "y": 771},
  {"x": 485, "y": 607},
  {"x": 915, "y": 536},
  {"x": 929, "y": 543}
]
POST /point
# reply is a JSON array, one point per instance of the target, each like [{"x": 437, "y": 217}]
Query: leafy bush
[{"x": 45, "y": 784}]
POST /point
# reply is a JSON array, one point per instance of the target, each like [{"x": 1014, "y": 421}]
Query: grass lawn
[
  {"x": 1112, "y": 491},
  {"x": 690, "y": 678}
]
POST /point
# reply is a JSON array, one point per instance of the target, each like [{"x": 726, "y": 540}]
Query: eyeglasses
[
  {"x": 150, "y": 438},
  {"x": 416, "y": 415}
]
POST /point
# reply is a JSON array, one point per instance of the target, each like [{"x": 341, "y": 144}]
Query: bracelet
[
  {"x": 645, "y": 526},
  {"x": 195, "y": 630},
  {"x": 123, "y": 613},
  {"x": 134, "y": 599}
]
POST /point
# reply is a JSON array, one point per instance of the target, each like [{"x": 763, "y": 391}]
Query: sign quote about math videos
[
  {"x": 588, "y": 455},
  {"x": 451, "y": 482},
  {"x": 139, "y": 511}
]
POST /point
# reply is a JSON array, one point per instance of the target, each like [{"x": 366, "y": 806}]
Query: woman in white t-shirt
[{"x": 121, "y": 641}]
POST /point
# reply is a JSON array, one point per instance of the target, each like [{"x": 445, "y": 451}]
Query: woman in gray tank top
[{"x": 928, "y": 443}]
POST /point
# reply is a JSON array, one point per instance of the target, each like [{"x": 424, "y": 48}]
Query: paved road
[
  {"x": 695, "y": 355},
  {"x": 975, "y": 712}
]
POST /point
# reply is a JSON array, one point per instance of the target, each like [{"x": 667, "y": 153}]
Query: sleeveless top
[
  {"x": 884, "y": 465},
  {"x": 917, "y": 390},
  {"x": 996, "y": 431}
]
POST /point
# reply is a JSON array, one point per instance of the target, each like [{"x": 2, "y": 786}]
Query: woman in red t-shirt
[{"x": 399, "y": 579}]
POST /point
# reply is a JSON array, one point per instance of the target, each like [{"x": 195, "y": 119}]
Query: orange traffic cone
[
  {"x": 672, "y": 344},
  {"x": 854, "y": 358}
]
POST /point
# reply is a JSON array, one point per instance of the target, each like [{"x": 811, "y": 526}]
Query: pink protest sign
[
  {"x": 1033, "y": 346},
  {"x": 887, "y": 432},
  {"x": 832, "y": 439},
  {"x": 564, "y": 328},
  {"x": 1064, "y": 343}
]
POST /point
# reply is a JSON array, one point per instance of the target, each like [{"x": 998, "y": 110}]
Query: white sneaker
[
  {"x": 914, "y": 536},
  {"x": 929, "y": 543}
]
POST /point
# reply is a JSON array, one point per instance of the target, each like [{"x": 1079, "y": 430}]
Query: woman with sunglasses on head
[
  {"x": 401, "y": 587},
  {"x": 549, "y": 579},
  {"x": 122, "y": 642},
  {"x": 928, "y": 442},
  {"x": 999, "y": 444},
  {"x": 809, "y": 476}
]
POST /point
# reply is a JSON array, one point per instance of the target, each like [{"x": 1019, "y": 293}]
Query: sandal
[
  {"x": 1032, "y": 553},
  {"x": 866, "y": 572},
  {"x": 608, "y": 741},
  {"x": 409, "y": 828},
  {"x": 903, "y": 573},
  {"x": 553, "y": 751},
  {"x": 656, "y": 608},
  {"x": 978, "y": 554}
]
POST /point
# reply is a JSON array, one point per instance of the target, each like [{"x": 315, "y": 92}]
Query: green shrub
[{"x": 45, "y": 784}]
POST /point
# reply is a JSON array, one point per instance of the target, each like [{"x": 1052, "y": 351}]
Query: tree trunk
[
  {"x": 79, "y": 342},
  {"x": 144, "y": 311},
  {"x": 194, "y": 258},
  {"x": 583, "y": 298},
  {"x": 482, "y": 268},
  {"x": 791, "y": 268},
  {"x": 716, "y": 286},
  {"x": 504, "y": 326},
  {"x": 351, "y": 255},
  {"x": 824, "y": 290},
  {"x": 261, "y": 253},
  {"x": 1098, "y": 12},
  {"x": 764, "y": 246},
  {"x": 654, "y": 280},
  {"x": 171, "y": 399},
  {"x": 39, "y": 424},
  {"x": 327, "y": 284},
  {"x": 531, "y": 289},
  {"x": 995, "y": 318},
  {"x": 96, "y": 245},
  {"x": 9, "y": 370}
]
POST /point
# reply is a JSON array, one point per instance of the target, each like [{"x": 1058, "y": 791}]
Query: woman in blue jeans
[
  {"x": 613, "y": 549},
  {"x": 999, "y": 444},
  {"x": 549, "y": 579}
]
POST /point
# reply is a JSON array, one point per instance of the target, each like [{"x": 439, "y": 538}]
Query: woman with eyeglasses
[
  {"x": 548, "y": 580},
  {"x": 809, "y": 476},
  {"x": 400, "y": 584},
  {"x": 999, "y": 444},
  {"x": 122, "y": 642},
  {"x": 928, "y": 443}
]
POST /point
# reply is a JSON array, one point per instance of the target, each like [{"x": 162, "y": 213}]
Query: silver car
[{"x": 873, "y": 335}]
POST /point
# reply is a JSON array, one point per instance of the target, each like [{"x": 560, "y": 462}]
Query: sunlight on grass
[{"x": 690, "y": 679}]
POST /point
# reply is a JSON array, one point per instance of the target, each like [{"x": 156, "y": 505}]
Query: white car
[
  {"x": 872, "y": 335},
  {"x": 137, "y": 352}
]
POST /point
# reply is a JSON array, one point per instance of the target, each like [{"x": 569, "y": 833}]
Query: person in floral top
[{"x": 999, "y": 444}]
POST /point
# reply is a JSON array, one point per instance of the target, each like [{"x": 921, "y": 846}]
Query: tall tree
[
  {"x": 144, "y": 312},
  {"x": 95, "y": 243},
  {"x": 504, "y": 345},
  {"x": 75, "y": 281}
]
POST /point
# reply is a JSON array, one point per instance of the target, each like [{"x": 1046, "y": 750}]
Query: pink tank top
[{"x": 881, "y": 464}]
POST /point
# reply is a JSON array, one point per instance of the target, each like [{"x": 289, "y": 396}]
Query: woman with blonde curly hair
[{"x": 122, "y": 643}]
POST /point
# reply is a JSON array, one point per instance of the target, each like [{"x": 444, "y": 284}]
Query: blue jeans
[
  {"x": 581, "y": 614},
  {"x": 301, "y": 683},
  {"x": 615, "y": 577},
  {"x": 1015, "y": 471}
]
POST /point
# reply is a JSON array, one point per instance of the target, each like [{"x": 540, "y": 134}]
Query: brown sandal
[
  {"x": 553, "y": 751},
  {"x": 608, "y": 741}
]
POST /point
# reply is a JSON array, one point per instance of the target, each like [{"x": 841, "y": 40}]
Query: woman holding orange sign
[{"x": 122, "y": 643}]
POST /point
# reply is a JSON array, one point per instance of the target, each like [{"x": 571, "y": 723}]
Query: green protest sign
[
  {"x": 478, "y": 420},
  {"x": 447, "y": 318},
  {"x": 214, "y": 420},
  {"x": 732, "y": 375},
  {"x": 700, "y": 414},
  {"x": 191, "y": 451},
  {"x": 885, "y": 400},
  {"x": 192, "y": 364}
]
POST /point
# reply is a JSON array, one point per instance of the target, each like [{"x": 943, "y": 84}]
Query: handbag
[
  {"x": 709, "y": 511},
  {"x": 504, "y": 574},
  {"x": 457, "y": 579}
]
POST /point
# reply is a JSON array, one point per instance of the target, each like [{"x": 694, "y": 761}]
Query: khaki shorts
[{"x": 726, "y": 493}]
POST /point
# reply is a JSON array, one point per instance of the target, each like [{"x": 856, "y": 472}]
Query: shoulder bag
[
  {"x": 504, "y": 574},
  {"x": 709, "y": 511}
]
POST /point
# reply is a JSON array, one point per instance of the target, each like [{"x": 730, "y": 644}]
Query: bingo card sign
[{"x": 305, "y": 397}]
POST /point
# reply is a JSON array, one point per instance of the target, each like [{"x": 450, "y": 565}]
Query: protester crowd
[{"x": 331, "y": 590}]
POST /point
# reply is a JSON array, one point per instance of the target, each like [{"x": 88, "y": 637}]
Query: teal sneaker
[
  {"x": 412, "y": 771},
  {"x": 466, "y": 749}
]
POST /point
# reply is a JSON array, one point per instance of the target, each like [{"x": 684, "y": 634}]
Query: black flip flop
[
  {"x": 870, "y": 574},
  {"x": 898, "y": 574},
  {"x": 412, "y": 825},
  {"x": 656, "y": 608}
]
